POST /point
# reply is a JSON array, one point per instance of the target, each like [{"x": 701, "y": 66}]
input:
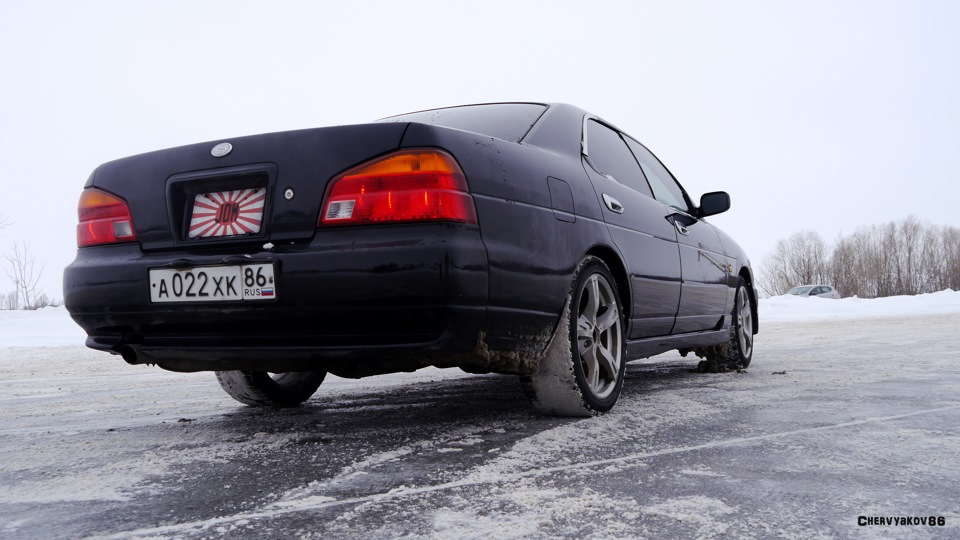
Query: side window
[
  {"x": 610, "y": 156},
  {"x": 665, "y": 188}
]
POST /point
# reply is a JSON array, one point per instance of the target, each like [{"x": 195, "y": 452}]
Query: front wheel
[
  {"x": 259, "y": 388},
  {"x": 740, "y": 347},
  {"x": 581, "y": 373}
]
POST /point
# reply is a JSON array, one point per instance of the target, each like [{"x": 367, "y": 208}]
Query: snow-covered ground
[{"x": 850, "y": 408}]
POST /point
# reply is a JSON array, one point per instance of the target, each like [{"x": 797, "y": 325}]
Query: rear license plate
[
  {"x": 213, "y": 283},
  {"x": 227, "y": 213}
]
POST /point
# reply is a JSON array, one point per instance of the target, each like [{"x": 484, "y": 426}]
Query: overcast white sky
[{"x": 813, "y": 115}]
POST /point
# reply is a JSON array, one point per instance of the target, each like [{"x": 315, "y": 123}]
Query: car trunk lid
[{"x": 285, "y": 174}]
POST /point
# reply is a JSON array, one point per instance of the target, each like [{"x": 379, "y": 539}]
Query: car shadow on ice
[
  {"x": 476, "y": 399},
  {"x": 670, "y": 371},
  {"x": 467, "y": 398}
]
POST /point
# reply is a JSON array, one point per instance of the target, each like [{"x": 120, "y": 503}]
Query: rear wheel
[
  {"x": 581, "y": 373},
  {"x": 259, "y": 388}
]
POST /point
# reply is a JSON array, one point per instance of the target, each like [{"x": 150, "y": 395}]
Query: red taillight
[
  {"x": 104, "y": 219},
  {"x": 420, "y": 185}
]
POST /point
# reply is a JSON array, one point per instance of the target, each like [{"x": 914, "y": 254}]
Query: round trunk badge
[{"x": 221, "y": 149}]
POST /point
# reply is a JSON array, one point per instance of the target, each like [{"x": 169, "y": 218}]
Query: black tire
[
  {"x": 740, "y": 347},
  {"x": 261, "y": 389},
  {"x": 581, "y": 373}
]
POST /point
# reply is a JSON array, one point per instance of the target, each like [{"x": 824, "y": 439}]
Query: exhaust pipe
[{"x": 129, "y": 355}]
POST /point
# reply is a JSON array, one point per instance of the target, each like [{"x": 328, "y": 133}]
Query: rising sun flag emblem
[{"x": 227, "y": 213}]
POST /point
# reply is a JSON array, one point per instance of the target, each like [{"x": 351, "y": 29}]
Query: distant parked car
[
  {"x": 823, "y": 291},
  {"x": 522, "y": 238}
]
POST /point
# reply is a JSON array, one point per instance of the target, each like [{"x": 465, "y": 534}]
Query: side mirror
[{"x": 714, "y": 203}]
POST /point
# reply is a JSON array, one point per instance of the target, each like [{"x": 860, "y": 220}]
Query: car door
[
  {"x": 705, "y": 269},
  {"x": 639, "y": 228}
]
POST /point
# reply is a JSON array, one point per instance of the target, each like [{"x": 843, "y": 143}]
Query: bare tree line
[
  {"x": 23, "y": 270},
  {"x": 897, "y": 258}
]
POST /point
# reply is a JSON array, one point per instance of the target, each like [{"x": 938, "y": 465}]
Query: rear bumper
[{"x": 365, "y": 293}]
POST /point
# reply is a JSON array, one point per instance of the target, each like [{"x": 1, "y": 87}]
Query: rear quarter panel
[{"x": 532, "y": 248}]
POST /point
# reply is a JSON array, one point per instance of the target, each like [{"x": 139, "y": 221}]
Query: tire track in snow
[{"x": 313, "y": 503}]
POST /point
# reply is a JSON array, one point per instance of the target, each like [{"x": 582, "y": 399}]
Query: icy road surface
[{"x": 837, "y": 418}]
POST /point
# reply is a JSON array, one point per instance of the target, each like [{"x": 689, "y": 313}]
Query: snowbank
[
  {"x": 53, "y": 326},
  {"x": 795, "y": 308},
  {"x": 40, "y": 328}
]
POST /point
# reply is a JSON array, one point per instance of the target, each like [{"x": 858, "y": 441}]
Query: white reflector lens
[
  {"x": 340, "y": 210},
  {"x": 122, "y": 229}
]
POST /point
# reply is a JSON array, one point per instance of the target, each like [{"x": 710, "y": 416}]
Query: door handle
[{"x": 613, "y": 204}]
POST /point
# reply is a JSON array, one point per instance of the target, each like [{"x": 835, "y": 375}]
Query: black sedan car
[{"x": 520, "y": 238}]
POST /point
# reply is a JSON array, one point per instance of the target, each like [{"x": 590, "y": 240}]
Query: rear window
[{"x": 507, "y": 121}]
